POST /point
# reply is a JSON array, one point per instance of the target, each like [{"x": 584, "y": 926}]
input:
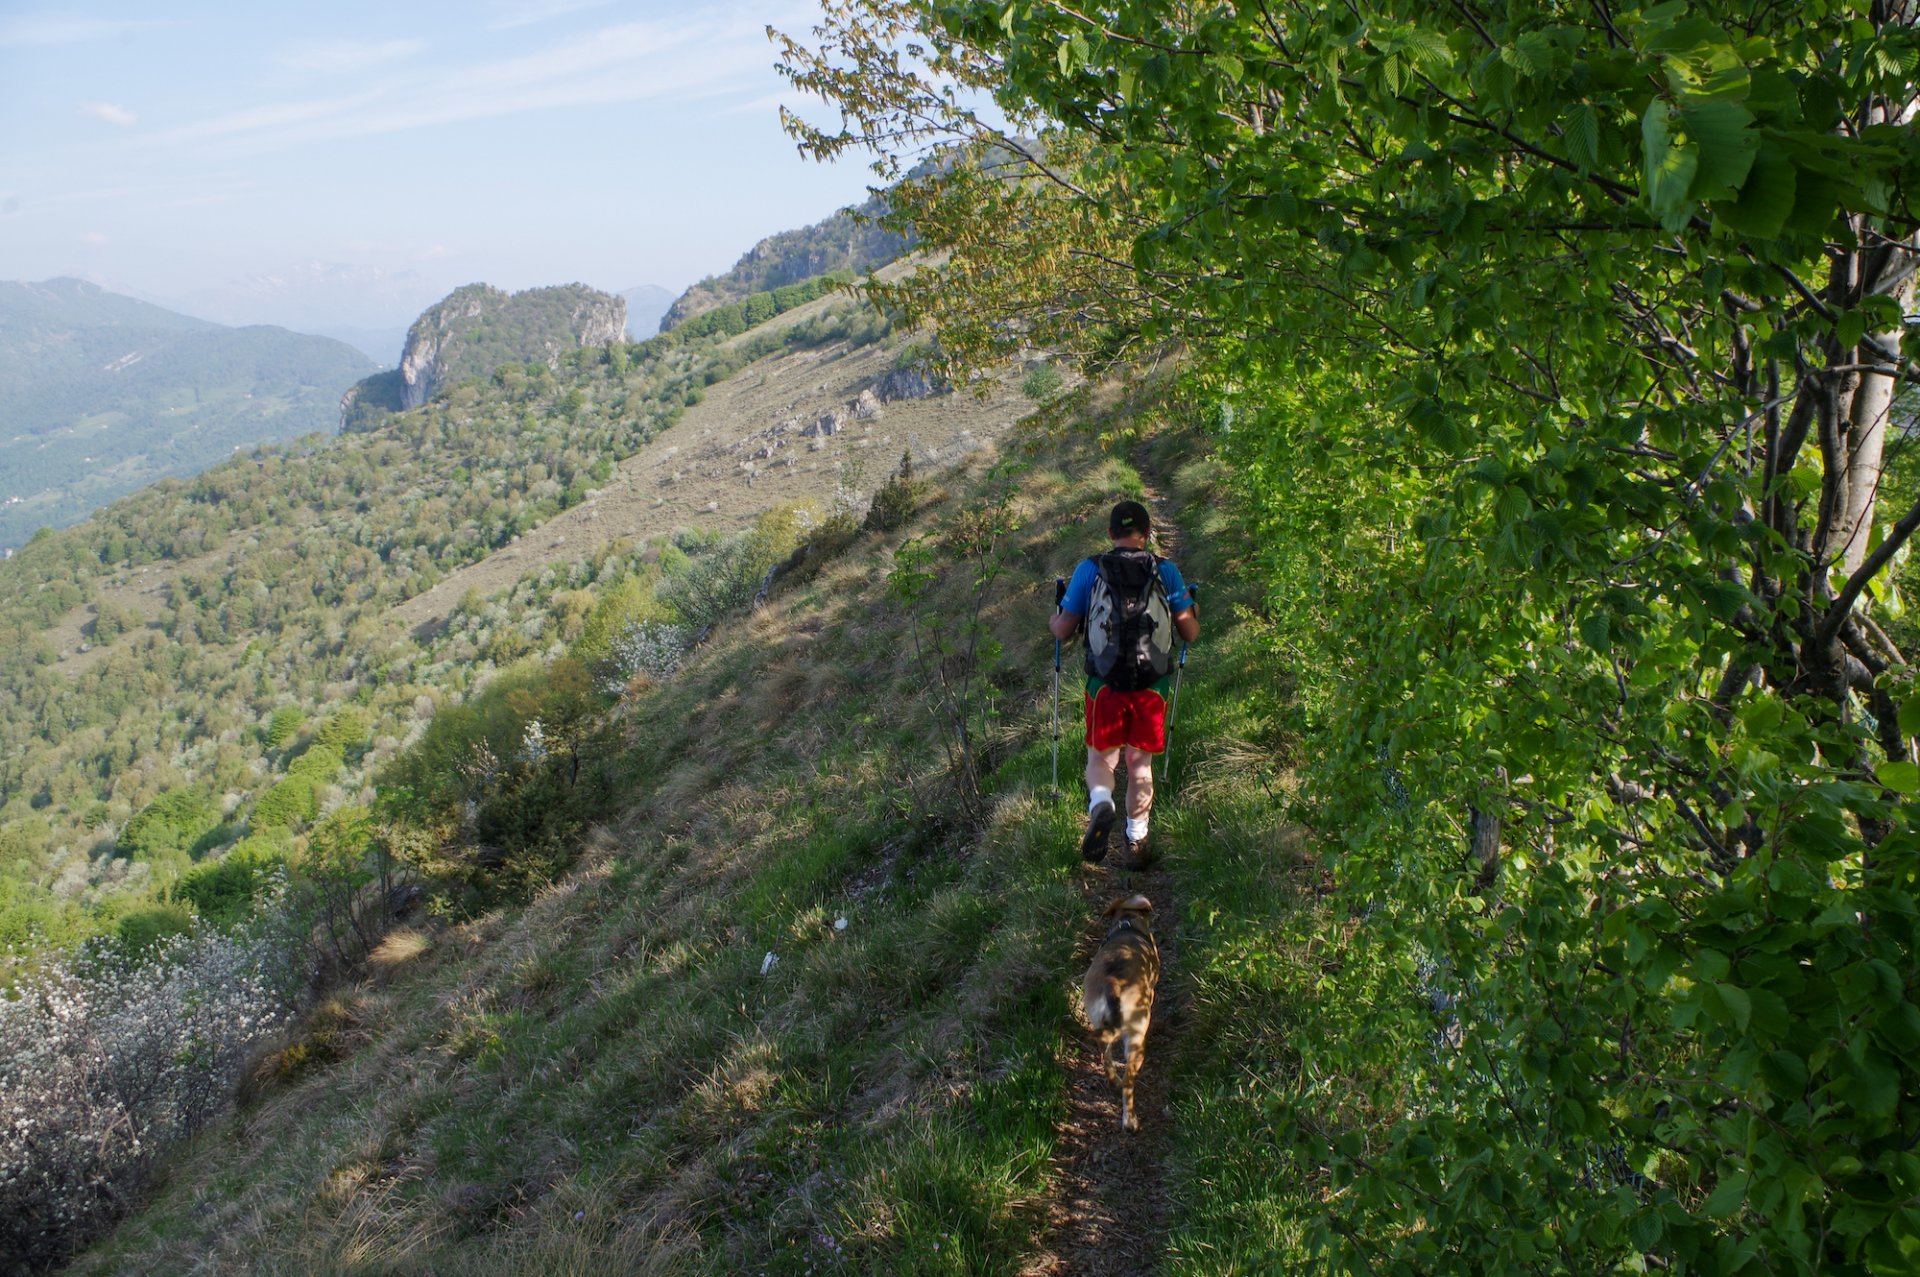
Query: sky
[{"x": 326, "y": 166}]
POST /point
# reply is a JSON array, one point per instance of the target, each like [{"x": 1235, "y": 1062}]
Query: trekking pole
[
  {"x": 1059, "y": 595},
  {"x": 1173, "y": 710}
]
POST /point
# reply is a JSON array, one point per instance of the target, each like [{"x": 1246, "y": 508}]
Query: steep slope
[
  {"x": 852, "y": 240},
  {"x": 790, "y": 1010},
  {"x": 101, "y": 395},
  {"x": 476, "y": 329},
  {"x": 148, "y": 649}
]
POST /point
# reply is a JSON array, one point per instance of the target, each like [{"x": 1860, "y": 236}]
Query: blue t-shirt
[{"x": 1079, "y": 599}]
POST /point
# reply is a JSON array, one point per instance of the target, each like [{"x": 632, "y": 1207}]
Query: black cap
[{"x": 1128, "y": 518}]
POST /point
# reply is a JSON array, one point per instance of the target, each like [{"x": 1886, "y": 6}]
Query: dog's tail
[{"x": 1104, "y": 1013}]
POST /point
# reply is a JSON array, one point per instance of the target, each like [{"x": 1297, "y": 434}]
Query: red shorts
[{"x": 1116, "y": 718}]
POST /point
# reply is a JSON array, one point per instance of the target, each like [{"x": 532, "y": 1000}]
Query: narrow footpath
[{"x": 1111, "y": 1208}]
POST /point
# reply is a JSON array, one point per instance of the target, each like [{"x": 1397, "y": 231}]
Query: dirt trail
[
  {"x": 1111, "y": 1206},
  {"x": 1110, "y": 1210}
]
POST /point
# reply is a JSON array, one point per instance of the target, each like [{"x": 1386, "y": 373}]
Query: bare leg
[
  {"x": 1139, "y": 784},
  {"x": 1100, "y": 765}
]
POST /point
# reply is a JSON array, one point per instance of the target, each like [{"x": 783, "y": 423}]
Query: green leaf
[
  {"x": 1738, "y": 1006},
  {"x": 1850, "y": 328},
  {"x": 1900, "y": 777},
  {"x": 1725, "y": 143},
  {"x": 1669, "y": 166},
  {"x": 1583, "y": 136},
  {"x": 1910, "y": 716},
  {"x": 1784, "y": 1073},
  {"x": 1594, "y": 631},
  {"x": 1766, "y": 197},
  {"x": 1726, "y": 1197}
]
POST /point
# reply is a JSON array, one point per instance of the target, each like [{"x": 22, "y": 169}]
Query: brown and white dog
[{"x": 1119, "y": 995}]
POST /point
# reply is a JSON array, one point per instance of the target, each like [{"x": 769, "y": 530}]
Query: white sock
[
  {"x": 1097, "y": 794},
  {"x": 1136, "y": 829}
]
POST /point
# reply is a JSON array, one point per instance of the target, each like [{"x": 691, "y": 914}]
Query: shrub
[
  {"x": 290, "y": 803},
  {"x": 143, "y": 930},
  {"x": 283, "y": 725},
  {"x": 319, "y": 764},
  {"x": 226, "y": 891},
  {"x": 170, "y": 822},
  {"x": 723, "y": 582},
  {"x": 649, "y": 649},
  {"x": 897, "y": 498},
  {"x": 109, "y": 1059},
  {"x": 1042, "y": 383}
]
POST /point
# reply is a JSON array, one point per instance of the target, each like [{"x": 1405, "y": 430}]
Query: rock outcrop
[
  {"x": 477, "y": 328},
  {"x": 911, "y": 382}
]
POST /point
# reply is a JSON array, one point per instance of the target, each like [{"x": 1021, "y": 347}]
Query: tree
[{"x": 1596, "y": 316}]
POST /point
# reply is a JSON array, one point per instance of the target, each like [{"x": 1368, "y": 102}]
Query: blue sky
[{"x": 344, "y": 164}]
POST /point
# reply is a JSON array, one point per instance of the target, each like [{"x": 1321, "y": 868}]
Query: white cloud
[
  {"x": 94, "y": 239},
  {"x": 626, "y": 63},
  {"x": 56, "y": 28},
  {"x": 342, "y": 57},
  {"x": 110, "y": 113}
]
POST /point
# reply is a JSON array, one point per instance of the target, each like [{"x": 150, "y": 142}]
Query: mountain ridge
[{"x": 102, "y": 393}]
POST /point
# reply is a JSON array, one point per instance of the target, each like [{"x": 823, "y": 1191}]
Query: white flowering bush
[
  {"x": 652, "y": 648},
  {"x": 107, "y": 1059}
]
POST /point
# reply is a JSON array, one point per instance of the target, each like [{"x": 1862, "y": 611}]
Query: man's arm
[
  {"x": 1072, "y": 609},
  {"x": 1186, "y": 622}
]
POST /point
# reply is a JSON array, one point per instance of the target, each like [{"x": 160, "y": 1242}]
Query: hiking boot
[
  {"x": 1093, "y": 847},
  {"x": 1138, "y": 854}
]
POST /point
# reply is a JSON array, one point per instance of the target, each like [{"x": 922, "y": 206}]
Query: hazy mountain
[
  {"x": 102, "y": 394},
  {"x": 646, "y": 303}
]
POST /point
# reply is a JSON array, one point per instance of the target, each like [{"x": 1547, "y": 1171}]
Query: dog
[{"x": 1119, "y": 996}]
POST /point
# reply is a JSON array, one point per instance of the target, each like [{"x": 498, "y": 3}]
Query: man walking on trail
[{"x": 1133, "y": 603}]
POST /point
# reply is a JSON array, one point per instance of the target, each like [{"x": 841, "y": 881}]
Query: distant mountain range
[
  {"x": 646, "y": 303},
  {"x": 101, "y": 395}
]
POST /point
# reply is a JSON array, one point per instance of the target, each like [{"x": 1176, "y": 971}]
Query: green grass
[{"x": 603, "y": 1080}]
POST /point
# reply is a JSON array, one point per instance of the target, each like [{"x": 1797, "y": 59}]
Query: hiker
[{"x": 1133, "y": 603}]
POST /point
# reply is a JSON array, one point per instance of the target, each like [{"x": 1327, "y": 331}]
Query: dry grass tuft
[{"x": 398, "y": 948}]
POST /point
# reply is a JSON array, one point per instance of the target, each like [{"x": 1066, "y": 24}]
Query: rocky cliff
[
  {"x": 477, "y": 328},
  {"x": 851, "y": 240}
]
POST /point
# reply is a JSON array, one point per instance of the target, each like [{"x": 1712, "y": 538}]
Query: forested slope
[{"x": 174, "y": 655}]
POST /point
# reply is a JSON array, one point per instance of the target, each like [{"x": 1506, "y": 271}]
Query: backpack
[{"x": 1129, "y": 621}]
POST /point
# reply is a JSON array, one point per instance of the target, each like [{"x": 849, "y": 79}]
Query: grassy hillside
[
  {"x": 100, "y": 395},
  {"x": 617, "y": 1077},
  {"x": 169, "y": 660}
]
